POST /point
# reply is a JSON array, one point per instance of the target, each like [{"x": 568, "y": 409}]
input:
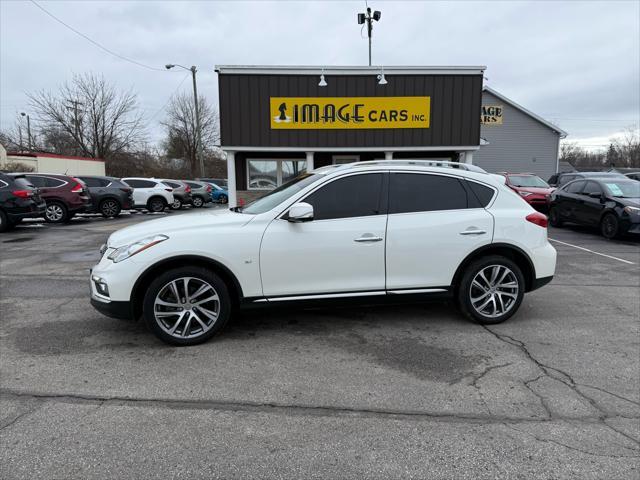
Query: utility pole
[
  {"x": 76, "y": 122},
  {"x": 199, "y": 154},
  {"x": 369, "y": 18}
]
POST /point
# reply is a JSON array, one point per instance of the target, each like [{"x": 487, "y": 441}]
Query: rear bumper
[
  {"x": 540, "y": 282},
  {"x": 35, "y": 210}
]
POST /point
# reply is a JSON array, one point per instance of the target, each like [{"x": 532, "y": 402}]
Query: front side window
[
  {"x": 267, "y": 174},
  {"x": 280, "y": 194},
  {"x": 415, "y": 192},
  {"x": 592, "y": 187},
  {"x": 352, "y": 196}
]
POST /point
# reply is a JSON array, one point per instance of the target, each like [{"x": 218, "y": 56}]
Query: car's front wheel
[
  {"x": 187, "y": 305},
  {"x": 491, "y": 290},
  {"x": 610, "y": 226}
]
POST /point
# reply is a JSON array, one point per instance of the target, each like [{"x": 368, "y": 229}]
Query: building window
[
  {"x": 342, "y": 159},
  {"x": 267, "y": 174}
]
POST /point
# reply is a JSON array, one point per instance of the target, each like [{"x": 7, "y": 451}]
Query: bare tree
[
  {"x": 100, "y": 121},
  {"x": 627, "y": 148},
  {"x": 180, "y": 125}
]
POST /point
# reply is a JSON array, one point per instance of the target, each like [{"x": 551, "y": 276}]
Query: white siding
[{"x": 520, "y": 144}]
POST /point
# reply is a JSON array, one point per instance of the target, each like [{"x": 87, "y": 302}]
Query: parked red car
[
  {"x": 535, "y": 191},
  {"x": 65, "y": 196}
]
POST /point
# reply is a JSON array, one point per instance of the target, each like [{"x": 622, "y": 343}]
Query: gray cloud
[{"x": 576, "y": 63}]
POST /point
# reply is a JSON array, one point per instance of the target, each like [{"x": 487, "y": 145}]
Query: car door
[
  {"x": 338, "y": 253},
  {"x": 571, "y": 201},
  {"x": 434, "y": 222},
  {"x": 592, "y": 204},
  {"x": 140, "y": 190}
]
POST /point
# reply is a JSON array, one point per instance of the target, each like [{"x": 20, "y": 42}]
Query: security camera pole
[
  {"x": 199, "y": 153},
  {"x": 369, "y": 18}
]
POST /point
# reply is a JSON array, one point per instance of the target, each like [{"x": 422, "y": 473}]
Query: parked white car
[
  {"x": 371, "y": 231},
  {"x": 150, "y": 193}
]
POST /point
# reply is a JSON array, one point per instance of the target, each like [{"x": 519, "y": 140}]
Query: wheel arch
[
  {"x": 512, "y": 252},
  {"x": 144, "y": 280}
]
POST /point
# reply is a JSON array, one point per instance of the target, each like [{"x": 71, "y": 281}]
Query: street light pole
[
  {"x": 28, "y": 129},
  {"x": 199, "y": 150},
  {"x": 369, "y": 18}
]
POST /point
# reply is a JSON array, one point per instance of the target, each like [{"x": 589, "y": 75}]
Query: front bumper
[{"x": 119, "y": 310}]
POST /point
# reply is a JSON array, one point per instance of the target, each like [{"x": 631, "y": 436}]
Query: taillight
[
  {"x": 208, "y": 188},
  {"x": 538, "y": 218},
  {"x": 77, "y": 188},
  {"x": 187, "y": 189},
  {"x": 22, "y": 193},
  {"x": 126, "y": 190}
]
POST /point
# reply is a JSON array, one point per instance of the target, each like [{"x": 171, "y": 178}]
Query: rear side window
[
  {"x": 194, "y": 185},
  {"x": 51, "y": 182},
  {"x": 92, "y": 182},
  {"x": 172, "y": 184},
  {"x": 575, "y": 187},
  {"x": 353, "y": 196},
  {"x": 483, "y": 193},
  {"x": 141, "y": 183},
  {"x": 3, "y": 184},
  {"x": 414, "y": 192},
  {"x": 22, "y": 182},
  {"x": 36, "y": 181}
]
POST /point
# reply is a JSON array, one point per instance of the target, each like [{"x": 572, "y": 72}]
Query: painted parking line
[{"x": 591, "y": 251}]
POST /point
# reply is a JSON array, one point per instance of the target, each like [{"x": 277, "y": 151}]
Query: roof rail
[{"x": 424, "y": 163}]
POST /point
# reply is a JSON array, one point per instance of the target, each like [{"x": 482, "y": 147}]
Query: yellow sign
[
  {"x": 293, "y": 113},
  {"x": 491, "y": 115}
]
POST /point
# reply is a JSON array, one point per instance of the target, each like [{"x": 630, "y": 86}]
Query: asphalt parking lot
[{"x": 381, "y": 392}]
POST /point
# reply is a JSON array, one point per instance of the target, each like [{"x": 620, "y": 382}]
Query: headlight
[
  {"x": 632, "y": 210},
  {"x": 126, "y": 251},
  {"x": 525, "y": 194}
]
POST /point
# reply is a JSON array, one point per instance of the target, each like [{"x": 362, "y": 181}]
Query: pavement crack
[{"x": 20, "y": 416}]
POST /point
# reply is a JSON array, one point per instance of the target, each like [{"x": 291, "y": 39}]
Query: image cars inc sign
[
  {"x": 294, "y": 113},
  {"x": 491, "y": 115}
]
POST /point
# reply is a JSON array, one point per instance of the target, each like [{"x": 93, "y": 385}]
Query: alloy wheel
[
  {"x": 109, "y": 208},
  {"x": 176, "y": 204},
  {"x": 197, "y": 202},
  {"x": 156, "y": 205},
  {"x": 494, "y": 291},
  {"x": 186, "y": 307},
  {"x": 54, "y": 212}
]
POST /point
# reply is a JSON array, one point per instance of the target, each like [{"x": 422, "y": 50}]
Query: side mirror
[
  {"x": 595, "y": 195},
  {"x": 300, "y": 212}
]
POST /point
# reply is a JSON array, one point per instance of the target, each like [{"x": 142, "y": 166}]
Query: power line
[{"x": 111, "y": 52}]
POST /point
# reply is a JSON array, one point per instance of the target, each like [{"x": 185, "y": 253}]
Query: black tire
[
  {"x": 56, "y": 212},
  {"x": 197, "y": 202},
  {"x": 176, "y": 205},
  {"x": 161, "y": 286},
  {"x": 110, "y": 208},
  {"x": 554, "y": 218},
  {"x": 5, "y": 223},
  {"x": 156, "y": 204},
  {"x": 610, "y": 226},
  {"x": 223, "y": 199},
  {"x": 509, "y": 303}
]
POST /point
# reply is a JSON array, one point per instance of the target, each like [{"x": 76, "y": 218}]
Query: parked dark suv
[
  {"x": 109, "y": 196},
  {"x": 18, "y": 200},
  {"x": 560, "y": 179},
  {"x": 65, "y": 196}
]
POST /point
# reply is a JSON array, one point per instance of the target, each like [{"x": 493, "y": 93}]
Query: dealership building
[{"x": 276, "y": 122}]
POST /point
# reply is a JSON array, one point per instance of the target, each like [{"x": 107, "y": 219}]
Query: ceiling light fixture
[{"x": 381, "y": 79}]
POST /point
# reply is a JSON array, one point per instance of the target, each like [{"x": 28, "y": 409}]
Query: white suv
[
  {"x": 370, "y": 231},
  {"x": 149, "y": 193}
]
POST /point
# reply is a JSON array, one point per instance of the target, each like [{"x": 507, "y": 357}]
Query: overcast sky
[{"x": 576, "y": 63}]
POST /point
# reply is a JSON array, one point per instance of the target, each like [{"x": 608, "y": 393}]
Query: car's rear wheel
[
  {"x": 5, "y": 223},
  {"x": 491, "y": 290},
  {"x": 56, "y": 212},
  {"x": 156, "y": 204},
  {"x": 110, "y": 208},
  {"x": 554, "y": 217},
  {"x": 197, "y": 202},
  {"x": 177, "y": 204},
  {"x": 223, "y": 199},
  {"x": 610, "y": 226},
  {"x": 186, "y": 306}
]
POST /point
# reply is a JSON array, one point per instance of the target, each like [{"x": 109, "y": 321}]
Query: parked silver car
[
  {"x": 200, "y": 193},
  {"x": 181, "y": 193}
]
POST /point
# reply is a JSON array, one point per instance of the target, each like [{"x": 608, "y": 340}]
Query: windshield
[
  {"x": 527, "y": 181},
  {"x": 623, "y": 188},
  {"x": 280, "y": 194}
]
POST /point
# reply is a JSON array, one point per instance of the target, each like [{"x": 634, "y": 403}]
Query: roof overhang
[
  {"x": 347, "y": 70},
  {"x": 546, "y": 123}
]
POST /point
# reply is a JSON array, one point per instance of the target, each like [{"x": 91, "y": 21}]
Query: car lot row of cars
[
  {"x": 609, "y": 201},
  {"x": 58, "y": 198}
]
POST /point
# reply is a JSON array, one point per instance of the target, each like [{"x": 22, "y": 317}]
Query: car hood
[
  {"x": 180, "y": 223},
  {"x": 538, "y": 190},
  {"x": 629, "y": 202}
]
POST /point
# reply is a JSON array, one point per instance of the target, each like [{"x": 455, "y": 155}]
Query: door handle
[
  {"x": 473, "y": 232},
  {"x": 369, "y": 238}
]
